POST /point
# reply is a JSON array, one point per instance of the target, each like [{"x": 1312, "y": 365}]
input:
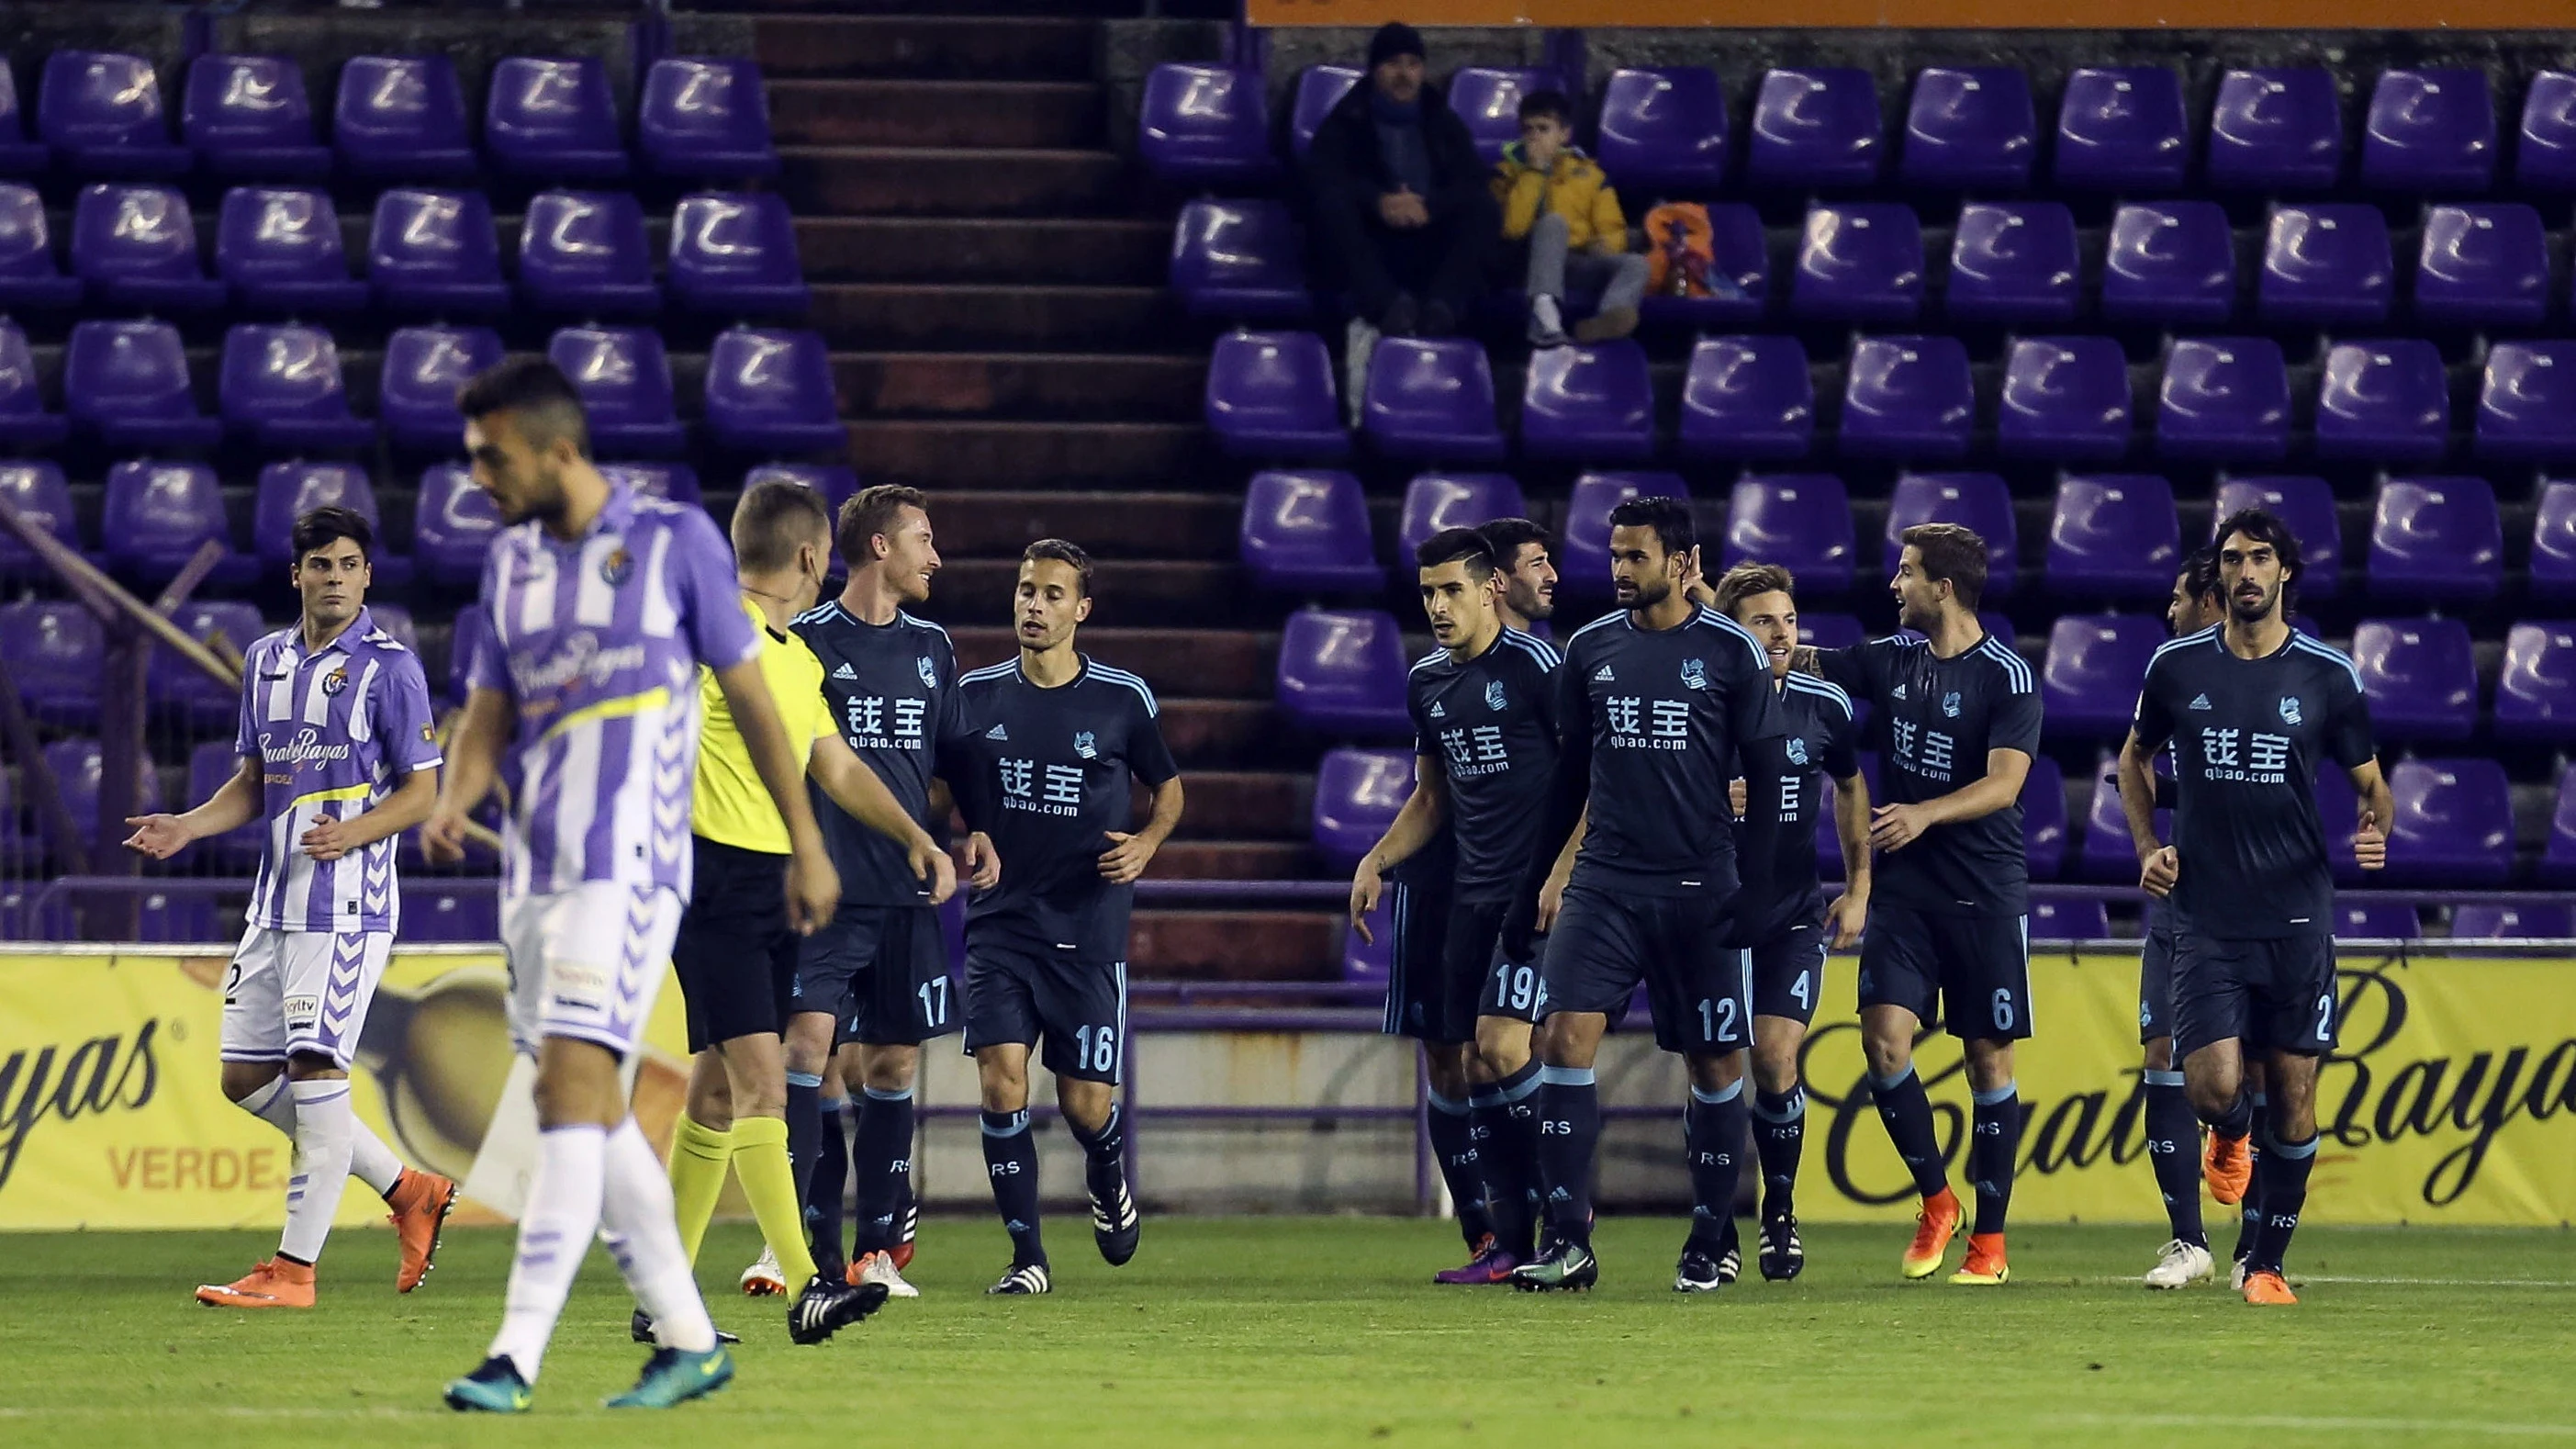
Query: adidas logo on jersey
[
  {"x": 1604, "y": 673},
  {"x": 1897, "y": 693},
  {"x": 2200, "y": 701},
  {"x": 1437, "y": 712},
  {"x": 845, "y": 672},
  {"x": 998, "y": 732}
]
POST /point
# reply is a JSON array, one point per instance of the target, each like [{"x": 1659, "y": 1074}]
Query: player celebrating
[
  {"x": 1789, "y": 951},
  {"x": 1949, "y": 934},
  {"x": 602, "y": 603},
  {"x": 1483, "y": 709},
  {"x": 338, "y": 756},
  {"x": 1058, "y": 737},
  {"x": 1656, "y": 703},
  {"x": 1527, "y": 568},
  {"x": 2252, "y": 708}
]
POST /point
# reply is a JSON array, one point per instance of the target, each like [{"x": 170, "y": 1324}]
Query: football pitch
[{"x": 1307, "y": 1331}]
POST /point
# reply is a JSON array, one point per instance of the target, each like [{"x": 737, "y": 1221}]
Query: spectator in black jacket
[{"x": 1401, "y": 208}]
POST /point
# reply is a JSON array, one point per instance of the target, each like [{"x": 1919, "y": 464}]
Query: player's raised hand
[
  {"x": 1894, "y": 827},
  {"x": 442, "y": 837},
  {"x": 1365, "y": 888},
  {"x": 158, "y": 836},
  {"x": 2158, "y": 870},
  {"x": 813, "y": 891},
  {"x": 931, "y": 864},
  {"x": 1126, "y": 857},
  {"x": 326, "y": 841},
  {"x": 2370, "y": 843},
  {"x": 1695, "y": 585},
  {"x": 983, "y": 862}
]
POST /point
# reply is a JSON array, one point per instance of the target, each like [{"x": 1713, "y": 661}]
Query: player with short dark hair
[
  {"x": 1659, "y": 705},
  {"x": 1483, "y": 708},
  {"x": 1948, "y": 940},
  {"x": 1524, "y": 559},
  {"x": 2253, "y": 708},
  {"x": 1057, "y": 741}
]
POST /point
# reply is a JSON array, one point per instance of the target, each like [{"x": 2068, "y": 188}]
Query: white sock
[
  {"x": 637, "y": 1224},
  {"x": 322, "y": 1128},
  {"x": 554, "y": 1236},
  {"x": 370, "y": 1160},
  {"x": 273, "y": 1104}
]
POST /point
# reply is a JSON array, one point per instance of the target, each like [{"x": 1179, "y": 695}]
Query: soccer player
[
  {"x": 339, "y": 755},
  {"x": 735, "y": 955},
  {"x": 891, "y": 680},
  {"x": 603, "y": 603},
  {"x": 1484, "y": 718},
  {"x": 1948, "y": 940},
  {"x": 1657, "y": 703},
  {"x": 1789, "y": 950},
  {"x": 2252, "y": 708},
  {"x": 1058, "y": 737},
  {"x": 1526, "y": 565}
]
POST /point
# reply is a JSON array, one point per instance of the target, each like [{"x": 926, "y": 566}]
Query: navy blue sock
[
  {"x": 881, "y": 1151},
  {"x": 804, "y": 1128},
  {"x": 1506, "y": 1115},
  {"x": 1779, "y": 1138},
  {"x": 2285, "y": 1194},
  {"x": 1713, "y": 1139},
  {"x": 1453, "y": 1145},
  {"x": 2249, "y": 1213},
  {"x": 1104, "y": 1153},
  {"x": 1907, "y": 1112},
  {"x": 2173, "y": 1149},
  {"x": 1569, "y": 1132},
  {"x": 2237, "y": 1120},
  {"x": 827, "y": 1198},
  {"x": 1011, "y": 1160},
  {"x": 1993, "y": 1150}
]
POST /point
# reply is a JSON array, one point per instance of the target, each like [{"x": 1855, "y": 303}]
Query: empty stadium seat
[
  {"x": 770, "y": 391},
  {"x": 2482, "y": 264},
  {"x": 279, "y": 249},
  {"x": 2512, "y": 923},
  {"x": 1815, "y": 127},
  {"x": 248, "y": 117},
  {"x": 837, "y": 482},
  {"x": 1272, "y": 395},
  {"x": 1747, "y": 397},
  {"x": 2089, "y": 683},
  {"x": 1907, "y": 397},
  {"x": 1970, "y": 128},
  {"x": 583, "y": 253},
  {"x": 2544, "y": 153},
  {"x": 441, "y": 911},
  {"x": 1432, "y": 399},
  {"x": 432, "y": 253},
  {"x": 2307, "y": 506},
  {"x": 1434, "y": 501},
  {"x": 1308, "y": 530},
  {"x": 705, "y": 118},
  {"x": 2327, "y": 264},
  {"x": 2276, "y": 130},
  {"x": 1583, "y": 555},
  {"x": 1488, "y": 99},
  {"x": 1663, "y": 129},
  {"x": 1800, "y": 521},
  {"x": 136, "y": 248},
  {"x": 2536, "y": 693},
  {"x": 37, "y": 490},
  {"x": 156, "y": 516},
  {"x": 1342, "y": 672},
  {"x": 2122, "y": 129},
  {"x": 172, "y": 683},
  {"x": 2454, "y": 824},
  {"x": 2065, "y": 399},
  {"x": 56, "y": 654},
  {"x": 423, "y": 368},
  {"x": 211, "y": 766},
  {"x": 1205, "y": 125},
  {"x": 2430, "y": 130},
  {"x": 734, "y": 255},
  {"x": 2553, "y": 543},
  {"x": 2558, "y": 855},
  {"x": 553, "y": 120},
  {"x": 76, "y": 767},
  {"x": 2376, "y": 921},
  {"x": 24, "y": 423},
  {"x": 126, "y": 384},
  {"x": 2055, "y": 918},
  {"x": 2420, "y": 677},
  {"x": 1239, "y": 261},
  {"x": 1319, "y": 89},
  {"x": 2527, "y": 401},
  {"x": 2114, "y": 536},
  {"x": 2171, "y": 263},
  {"x": 453, "y": 527},
  {"x": 2225, "y": 399},
  {"x": 2015, "y": 262},
  {"x": 2436, "y": 538},
  {"x": 1978, "y": 501},
  {"x": 1740, "y": 270},
  {"x": 2107, "y": 854},
  {"x": 624, "y": 378},
  {"x": 670, "y": 482},
  {"x": 1859, "y": 262},
  {"x": 282, "y": 392},
  {"x": 2387, "y": 401},
  {"x": 287, "y": 491},
  {"x": 1595, "y": 402},
  {"x": 29, "y": 274},
  {"x": 1357, "y": 795},
  {"x": 101, "y": 112},
  {"x": 402, "y": 118},
  {"x": 18, "y": 155},
  {"x": 2043, "y": 819}
]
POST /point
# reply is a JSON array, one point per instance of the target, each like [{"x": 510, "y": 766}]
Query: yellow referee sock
[
  {"x": 698, "y": 1157},
  {"x": 760, "y": 1160}
]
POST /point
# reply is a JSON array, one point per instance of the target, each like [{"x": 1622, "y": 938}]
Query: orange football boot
[
  {"x": 2267, "y": 1289},
  {"x": 274, "y": 1283},
  {"x": 420, "y": 1202},
  {"x": 2227, "y": 1165},
  {"x": 1933, "y": 1228},
  {"x": 1985, "y": 1266}
]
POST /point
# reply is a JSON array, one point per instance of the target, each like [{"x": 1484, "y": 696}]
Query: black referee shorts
[{"x": 734, "y": 954}]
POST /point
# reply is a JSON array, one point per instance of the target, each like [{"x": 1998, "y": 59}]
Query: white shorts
[
  {"x": 295, "y": 992},
  {"x": 586, "y": 963}
]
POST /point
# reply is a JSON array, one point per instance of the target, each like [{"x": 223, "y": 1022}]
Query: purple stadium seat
[
  {"x": 1308, "y": 530},
  {"x": 18, "y": 155},
  {"x": 2544, "y": 155},
  {"x": 210, "y": 765},
  {"x": 136, "y": 247},
  {"x": 1800, "y": 521},
  {"x": 2527, "y": 401},
  {"x": 24, "y": 423},
  {"x": 837, "y": 482},
  {"x": 172, "y": 683},
  {"x": 402, "y": 118},
  {"x": 2123, "y": 129},
  {"x": 2386, "y": 401},
  {"x": 423, "y": 368},
  {"x": 1747, "y": 397},
  {"x": 2376, "y": 921},
  {"x": 2114, "y": 536},
  {"x": 1239, "y": 261},
  {"x": 2276, "y": 130},
  {"x": 2064, "y": 398},
  {"x": 1319, "y": 89},
  {"x": 2553, "y": 543},
  {"x": 1979, "y": 501},
  {"x": 1206, "y": 125},
  {"x": 1357, "y": 795},
  {"x": 454, "y": 527},
  {"x": 2307, "y": 505},
  {"x": 583, "y": 253},
  {"x": 2430, "y": 130},
  {"x": 37, "y": 490},
  {"x": 2436, "y": 539},
  {"x": 2512, "y": 923},
  {"x": 101, "y": 112},
  {"x": 282, "y": 392},
  {"x": 2536, "y": 694},
  {"x": 156, "y": 516},
  {"x": 279, "y": 250},
  {"x": 288, "y": 491},
  {"x": 249, "y": 118},
  {"x": 2054, "y": 918},
  {"x": 553, "y": 120},
  {"x": 2089, "y": 684},
  {"x": 2172, "y": 262},
  {"x": 126, "y": 384},
  {"x": 770, "y": 391},
  {"x": 1434, "y": 501},
  {"x": 1341, "y": 672},
  {"x": 29, "y": 275},
  {"x": 434, "y": 252},
  {"x": 1815, "y": 127},
  {"x": 2454, "y": 823},
  {"x": 437, "y": 910},
  {"x": 2558, "y": 857},
  {"x": 2326, "y": 263},
  {"x": 1583, "y": 560},
  {"x": 75, "y": 764},
  {"x": 2043, "y": 819},
  {"x": 1859, "y": 262},
  {"x": 734, "y": 255},
  {"x": 1488, "y": 99},
  {"x": 2483, "y": 264},
  {"x": 670, "y": 482},
  {"x": 1432, "y": 399},
  {"x": 1272, "y": 395},
  {"x": 1663, "y": 129},
  {"x": 2420, "y": 676},
  {"x": 1907, "y": 397},
  {"x": 2224, "y": 398},
  {"x": 624, "y": 378},
  {"x": 1589, "y": 403},
  {"x": 705, "y": 118},
  {"x": 2014, "y": 262},
  {"x": 56, "y": 654},
  {"x": 2107, "y": 854},
  {"x": 1970, "y": 128},
  {"x": 1742, "y": 260}
]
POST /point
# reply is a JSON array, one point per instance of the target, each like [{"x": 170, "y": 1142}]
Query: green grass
[{"x": 1318, "y": 1332}]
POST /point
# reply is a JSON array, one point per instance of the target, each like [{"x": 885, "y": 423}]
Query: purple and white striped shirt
[
  {"x": 598, "y": 646},
  {"x": 334, "y": 731}
]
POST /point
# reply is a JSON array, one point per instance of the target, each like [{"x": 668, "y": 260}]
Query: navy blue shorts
[
  {"x": 1422, "y": 1001},
  {"x": 882, "y": 970},
  {"x": 2155, "y": 986},
  {"x": 1789, "y": 967},
  {"x": 1699, "y": 987},
  {"x": 2276, "y": 993},
  {"x": 1076, "y": 1008},
  {"x": 1970, "y": 974}
]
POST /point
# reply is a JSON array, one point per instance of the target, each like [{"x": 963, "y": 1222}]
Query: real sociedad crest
[
  {"x": 1797, "y": 751},
  {"x": 1950, "y": 704},
  {"x": 1694, "y": 674},
  {"x": 929, "y": 672},
  {"x": 1494, "y": 695},
  {"x": 2290, "y": 709},
  {"x": 1083, "y": 745}
]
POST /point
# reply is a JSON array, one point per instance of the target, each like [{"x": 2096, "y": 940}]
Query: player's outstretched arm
[
  {"x": 473, "y": 763},
  {"x": 813, "y": 887},
  {"x": 1128, "y": 855},
  {"x": 864, "y": 797},
  {"x": 1411, "y": 830},
  {"x": 234, "y": 804},
  {"x": 1850, "y": 910},
  {"x": 2157, "y": 864},
  {"x": 1893, "y": 827}
]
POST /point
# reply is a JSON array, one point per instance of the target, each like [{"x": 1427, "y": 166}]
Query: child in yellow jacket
[{"x": 1556, "y": 200}]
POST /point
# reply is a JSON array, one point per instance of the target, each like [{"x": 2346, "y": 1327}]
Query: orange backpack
[{"x": 1681, "y": 251}]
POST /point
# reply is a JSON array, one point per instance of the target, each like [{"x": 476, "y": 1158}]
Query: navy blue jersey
[
  {"x": 892, "y": 689},
  {"x": 1820, "y": 746},
  {"x": 1663, "y": 715},
  {"x": 1489, "y": 726},
  {"x": 2248, "y": 735},
  {"x": 1047, "y": 775},
  {"x": 1937, "y": 721}
]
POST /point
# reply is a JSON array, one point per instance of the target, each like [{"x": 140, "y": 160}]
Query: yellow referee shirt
[{"x": 730, "y": 805}]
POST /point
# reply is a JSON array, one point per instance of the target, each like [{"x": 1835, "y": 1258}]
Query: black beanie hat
[{"x": 1394, "y": 38}]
